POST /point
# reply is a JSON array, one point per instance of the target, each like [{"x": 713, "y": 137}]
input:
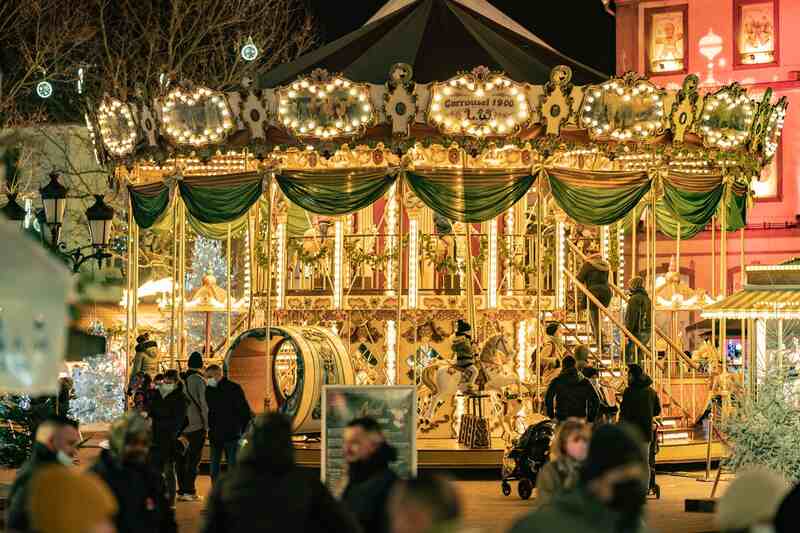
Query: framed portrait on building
[
  {"x": 666, "y": 46},
  {"x": 768, "y": 186},
  {"x": 756, "y": 32}
]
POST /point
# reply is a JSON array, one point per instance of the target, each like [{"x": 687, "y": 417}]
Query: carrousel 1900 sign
[{"x": 480, "y": 103}]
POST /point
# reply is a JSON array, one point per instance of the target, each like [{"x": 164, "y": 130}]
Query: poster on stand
[{"x": 394, "y": 408}]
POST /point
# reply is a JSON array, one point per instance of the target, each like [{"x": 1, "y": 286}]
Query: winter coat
[
  {"x": 576, "y": 511},
  {"x": 574, "y": 396},
  {"x": 594, "y": 274},
  {"x": 228, "y": 411},
  {"x": 638, "y": 313},
  {"x": 556, "y": 477},
  {"x": 269, "y": 494},
  {"x": 640, "y": 404},
  {"x": 168, "y": 415},
  {"x": 197, "y": 412},
  {"x": 462, "y": 348},
  {"x": 367, "y": 493},
  {"x": 140, "y": 493},
  {"x": 17, "y": 518}
]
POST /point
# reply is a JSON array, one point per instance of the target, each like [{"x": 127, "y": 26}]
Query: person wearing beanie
[
  {"x": 638, "y": 318},
  {"x": 570, "y": 395},
  {"x": 788, "y": 516},
  {"x": 752, "y": 500},
  {"x": 146, "y": 360},
  {"x": 267, "y": 491},
  {"x": 64, "y": 500},
  {"x": 610, "y": 494},
  {"x": 138, "y": 488},
  {"x": 194, "y": 434}
]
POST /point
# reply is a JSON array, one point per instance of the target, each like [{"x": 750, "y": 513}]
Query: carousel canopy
[{"x": 437, "y": 38}]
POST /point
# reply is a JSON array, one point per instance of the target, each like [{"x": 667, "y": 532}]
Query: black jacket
[
  {"x": 638, "y": 313},
  {"x": 594, "y": 274},
  {"x": 369, "y": 485},
  {"x": 267, "y": 494},
  {"x": 140, "y": 493},
  {"x": 574, "y": 396},
  {"x": 169, "y": 416},
  {"x": 228, "y": 411},
  {"x": 640, "y": 404},
  {"x": 17, "y": 515}
]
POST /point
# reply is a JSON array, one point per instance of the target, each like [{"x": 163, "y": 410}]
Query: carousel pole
[
  {"x": 469, "y": 283},
  {"x": 173, "y": 345},
  {"x": 128, "y": 295},
  {"x": 652, "y": 248},
  {"x": 399, "y": 243},
  {"x": 228, "y": 283},
  {"x": 268, "y": 400},
  {"x": 723, "y": 277},
  {"x": 135, "y": 288},
  {"x": 744, "y": 331},
  {"x": 181, "y": 280},
  {"x": 539, "y": 263}
]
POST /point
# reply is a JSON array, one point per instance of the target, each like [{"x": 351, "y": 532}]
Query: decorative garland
[{"x": 448, "y": 264}]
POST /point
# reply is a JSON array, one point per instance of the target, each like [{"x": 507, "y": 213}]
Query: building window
[
  {"x": 768, "y": 185},
  {"x": 666, "y": 34},
  {"x": 756, "y": 31}
]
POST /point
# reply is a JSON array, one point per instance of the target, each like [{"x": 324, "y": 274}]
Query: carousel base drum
[
  {"x": 474, "y": 431},
  {"x": 303, "y": 359}
]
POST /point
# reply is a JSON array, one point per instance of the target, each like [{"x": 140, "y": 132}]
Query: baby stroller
[{"x": 527, "y": 458}]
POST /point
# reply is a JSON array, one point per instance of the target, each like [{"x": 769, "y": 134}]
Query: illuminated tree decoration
[
  {"x": 196, "y": 116},
  {"x": 480, "y": 103},
  {"x": 44, "y": 89},
  {"x": 325, "y": 106},
  {"x": 117, "y": 128},
  {"x": 772, "y": 135},
  {"x": 249, "y": 51},
  {"x": 623, "y": 109},
  {"x": 727, "y": 118}
]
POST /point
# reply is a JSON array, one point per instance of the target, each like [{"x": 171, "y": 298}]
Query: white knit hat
[{"x": 752, "y": 498}]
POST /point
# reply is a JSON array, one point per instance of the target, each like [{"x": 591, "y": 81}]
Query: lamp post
[{"x": 99, "y": 217}]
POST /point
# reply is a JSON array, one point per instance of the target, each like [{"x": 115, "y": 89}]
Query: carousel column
[
  {"x": 561, "y": 258},
  {"x": 414, "y": 210},
  {"x": 652, "y": 265},
  {"x": 281, "y": 259},
  {"x": 251, "y": 272},
  {"x": 338, "y": 263},
  {"x": 269, "y": 187},
  {"x": 539, "y": 264},
  {"x": 229, "y": 286},
  {"x": 173, "y": 344},
  {"x": 723, "y": 280},
  {"x": 395, "y": 373},
  {"x": 427, "y": 274},
  {"x": 491, "y": 290},
  {"x": 129, "y": 293},
  {"x": 181, "y": 280}
]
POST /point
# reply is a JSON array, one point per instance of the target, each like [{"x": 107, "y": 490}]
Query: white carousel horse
[{"x": 445, "y": 380}]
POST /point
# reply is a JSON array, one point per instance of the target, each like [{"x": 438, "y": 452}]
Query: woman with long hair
[{"x": 567, "y": 452}]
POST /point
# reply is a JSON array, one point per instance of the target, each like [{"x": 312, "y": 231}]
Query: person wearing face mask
[
  {"x": 138, "y": 488},
  {"x": 194, "y": 434},
  {"x": 567, "y": 453},
  {"x": 168, "y": 413},
  {"x": 56, "y": 443},
  {"x": 228, "y": 416},
  {"x": 610, "y": 494}
]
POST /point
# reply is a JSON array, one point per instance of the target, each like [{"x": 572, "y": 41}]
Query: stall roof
[
  {"x": 438, "y": 38},
  {"x": 777, "y": 301}
]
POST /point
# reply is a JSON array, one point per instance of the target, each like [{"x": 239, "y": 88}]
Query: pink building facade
[{"x": 757, "y": 44}]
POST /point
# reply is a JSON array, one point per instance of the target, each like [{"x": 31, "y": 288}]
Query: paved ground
[{"x": 487, "y": 510}]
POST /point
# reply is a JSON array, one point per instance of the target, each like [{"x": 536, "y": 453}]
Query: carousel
[{"x": 439, "y": 164}]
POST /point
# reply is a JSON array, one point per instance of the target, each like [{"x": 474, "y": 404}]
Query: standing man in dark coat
[
  {"x": 194, "y": 434},
  {"x": 168, "y": 413},
  {"x": 56, "y": 442},
  {"x": 594, "y": 275},
  {"x": 570, "y": 395},
  {"x": 228, "y": 416},
  {"x": 638, "y": 318},
  {"x": 267, "y": 492},
  {"x": 370, "y": 480},
  {"x": 138, "y": 488},
  {"x": 640, "y": 405}
]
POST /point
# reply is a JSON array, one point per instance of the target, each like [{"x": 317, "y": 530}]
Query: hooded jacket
[
  {"x": 638, "y": 313},
  {"x": 577, "y": 511},
  {"x": 168, "y": 415},
  {"x": 640, "y": 404},
  {"x": 367, "y": 493},
  {"x": 228, "y": 411},
  {"x": 267, "y": 492},
  {"x": 17, "y": 518},
  {"x": 594, "y": 274},
  {"x": 140, "y": 494},
  {"x": 571, "y": 395}
]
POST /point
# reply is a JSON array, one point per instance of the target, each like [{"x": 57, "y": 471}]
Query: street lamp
[
  {"x": 12, "y": 210},
  {"x": 99, "y": 216}
]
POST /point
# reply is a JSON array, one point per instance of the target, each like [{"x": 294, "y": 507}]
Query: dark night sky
[{"x": 578, "y": 28}]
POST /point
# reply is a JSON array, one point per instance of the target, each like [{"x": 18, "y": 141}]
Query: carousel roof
[{"x": 438, "y": 38}]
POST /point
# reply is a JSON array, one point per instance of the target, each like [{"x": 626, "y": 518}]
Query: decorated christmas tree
[
  {"x": 99, "y": 389},
  {"x": 20, "y": 416},
  {"x": 208, "y": 257}
]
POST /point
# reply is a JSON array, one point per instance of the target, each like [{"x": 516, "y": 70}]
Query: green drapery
[
  {"x": 336, "y": 192},
  {"x": 215, "y": 200},
  {"x": 667, "y": 223},
  {"x": 469, "y": 195},
  {"x": 692, "y": 199},
  {"x": 149, "y": 203},
  {"x": 216, "y": 231},
  {"x": 597, "y": 197},
  {"x": 736, "y": 215}
]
